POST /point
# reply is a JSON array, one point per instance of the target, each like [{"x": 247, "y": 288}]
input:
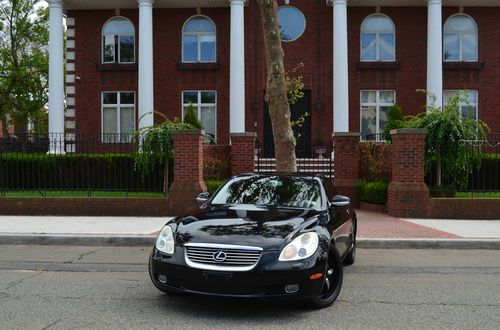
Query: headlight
[
  {"x": 165, "y": 241},
  {"x": 301, "y": 247}
]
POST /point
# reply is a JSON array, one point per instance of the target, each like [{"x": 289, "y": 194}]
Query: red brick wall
[
  {"x": 346, "y": 168},
  {"x": 464, "y": 208},
  {"x": 408, "y": 195},
  {"x": 313, "y": 49},
  {"x": 242, "y": 153}
]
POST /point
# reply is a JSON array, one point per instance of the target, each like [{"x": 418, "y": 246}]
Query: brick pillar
[
  {"x": 188, "y": 171},
  {"x": 242, "y": 152},
  {"x": 346, "y": 164},
  {"x": 408, "y": 195}
]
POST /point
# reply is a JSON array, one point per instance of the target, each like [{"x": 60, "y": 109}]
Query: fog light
[
  {"x": 291, "y": 288},
  {"x": 162, "y": 278}
]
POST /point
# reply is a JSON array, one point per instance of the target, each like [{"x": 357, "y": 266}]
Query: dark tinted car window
[{"x": 271, "y": 191}]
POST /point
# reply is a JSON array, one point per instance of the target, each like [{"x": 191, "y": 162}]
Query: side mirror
[
  {"x": 202, "y": 197},
  {"x": 339, "y": 201}
]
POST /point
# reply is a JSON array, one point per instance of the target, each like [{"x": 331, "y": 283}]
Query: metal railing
[
  {"x": 378, "y": 137},
  {"x": 483, "y": 161},
  {"x": 322, "y": 163},
  {"x": 57, "y": 164}
]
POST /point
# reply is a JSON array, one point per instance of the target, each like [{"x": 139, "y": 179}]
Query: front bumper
[{"x": 266, "y": 280}]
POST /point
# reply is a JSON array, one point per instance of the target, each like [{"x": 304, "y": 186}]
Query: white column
[
  {"x": 434, "y": 52},
  {"x": 237, "y": 68},
  {"x": 340, "y": 68},
  {"x": 56, "y": 78},
  {"x": 146, "y": 83}
]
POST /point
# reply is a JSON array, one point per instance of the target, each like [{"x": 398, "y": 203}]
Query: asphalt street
[{"x": 71, "y": 287}]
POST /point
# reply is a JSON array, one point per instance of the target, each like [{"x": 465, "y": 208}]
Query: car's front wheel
[{"x": 332, "y": 281}]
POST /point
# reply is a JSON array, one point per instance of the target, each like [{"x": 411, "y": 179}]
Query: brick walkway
[{"x": 379, "y": 225}]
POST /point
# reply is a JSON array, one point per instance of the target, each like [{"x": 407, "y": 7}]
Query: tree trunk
[
  {"x": 276, "y": 93},
  {"x": 5, "y": 127}
]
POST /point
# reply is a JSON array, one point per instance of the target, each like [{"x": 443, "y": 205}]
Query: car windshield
[{"x": 274, "y": 191}]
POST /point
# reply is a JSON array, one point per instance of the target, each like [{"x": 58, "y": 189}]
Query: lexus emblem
[{"x": 219, "y": 256}]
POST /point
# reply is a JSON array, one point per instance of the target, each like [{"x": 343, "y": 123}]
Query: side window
[
  {"x": 329, "y": 189},
  {"x": 118, "y": 41}
]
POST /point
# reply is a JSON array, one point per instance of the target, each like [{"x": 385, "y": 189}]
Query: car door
[{"x": 340, "y": 223}]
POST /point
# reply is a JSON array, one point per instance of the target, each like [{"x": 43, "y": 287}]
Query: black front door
[{"x": 303, "y": 149}]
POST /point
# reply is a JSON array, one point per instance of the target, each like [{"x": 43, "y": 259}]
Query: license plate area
[{"x": 217, "y": 276}]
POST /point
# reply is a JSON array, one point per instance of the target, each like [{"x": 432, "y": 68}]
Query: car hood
[{"x": 248, "y": 225}]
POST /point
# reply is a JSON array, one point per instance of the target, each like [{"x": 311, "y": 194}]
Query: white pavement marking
[
  {"x": 80, "y": 225},
  {"x": 464, "y": 228}
]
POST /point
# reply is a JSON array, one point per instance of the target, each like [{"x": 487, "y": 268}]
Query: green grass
[
  {"x": 81, "y": 194},
  {"x": 477, "y": 195}
]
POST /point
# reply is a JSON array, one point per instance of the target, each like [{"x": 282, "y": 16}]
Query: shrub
[
  {"x": 372, "y": 192},
  {"x": 212, "y": 186},
  {"x": 375, "y": 161},
  {"x": 395, "y": 120},
  {"x": 191, "y": 117}
]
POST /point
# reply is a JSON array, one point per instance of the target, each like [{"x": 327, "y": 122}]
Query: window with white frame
[
  {"x": 378, "y": 39},
  {"x": 375, "y": 107},
  {"x": 118, "y": 41},
  {"x": 468, "y": 102},
  {"x": 460, "y": 39},
  {"x": 198, "y": 40},
  {"x": 205, "y": 105},
  {"x": 118, "y": 116}
]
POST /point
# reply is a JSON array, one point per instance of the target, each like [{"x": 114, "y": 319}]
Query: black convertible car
[{"x": 264, "y": 236}]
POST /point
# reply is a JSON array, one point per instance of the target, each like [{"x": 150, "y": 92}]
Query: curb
[
  {"x": 84, "y": 240},
  {"x": 143, "y": 240},
  {"x": 429, "y": 243}
]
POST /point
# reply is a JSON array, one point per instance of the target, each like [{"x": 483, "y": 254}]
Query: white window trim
[
  {"x": 377, "y": 106},
  {"x": 463, "y": 104},
  {"x": 198, "y": 105},
  {"x": 118, "y": 107},
  {"x": 103, "y": 36},
  {"x": 377, "y": 39},
  {"x": 460, "y": 35},
  {"x": 198, "y": 42}
]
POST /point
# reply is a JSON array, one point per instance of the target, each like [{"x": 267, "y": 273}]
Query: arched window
[
  {"x": 460, "y": 39},
  {"x": 198, "y": 40},
  {"x": 378, "y": 39},
  {"x": 118, "y": 41}
]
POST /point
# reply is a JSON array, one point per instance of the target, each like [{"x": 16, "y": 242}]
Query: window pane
[
  {"x": 451, "y": 47},
  {"x": 207, "y": 97},
  {"x": 207, "y": 48},
  {"x": 127, "y": 120},
  {"x": 469, "y": 47},
  {"x": 190, "y": 97},
  {"x": 459, "y": 23},
  {"x": 369, "y": 97},
  {"x": 383, "y": 112},
  {"x": 190, "y": 48},
  {"x": 386, "y": 97},
  {"x": 109, "y": 48},
  {"x": 368, "y": 47},
  {"x": 109, "y": 123},
  {"x": 472, "y": 97},
  {"x": 368, "y": 120},
  {"x": 127, "y": 98},
  {"x": 292, "y": 23},
  {"x": 468, "y": 111},
  {"x": 378, "y": 24},
  {"x": 387, "y": 49},
  {"x": 199, "y": 24},
  {"x": 126, "y": 49},
  {"x": 208, "y": 120},
  {"x": 118, "y": 25},
  {"x": 109, "y": 98}
]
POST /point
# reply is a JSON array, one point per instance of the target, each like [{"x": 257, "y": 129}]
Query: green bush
[
  {"x": 212, "y": 186},
  {"x": 372, "y": 192}
]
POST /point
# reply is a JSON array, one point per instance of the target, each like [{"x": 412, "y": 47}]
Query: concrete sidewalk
[{"x": 374, "y": 230}]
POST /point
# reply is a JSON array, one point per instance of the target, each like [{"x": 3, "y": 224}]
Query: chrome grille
[{"x": 237, "y": 257}]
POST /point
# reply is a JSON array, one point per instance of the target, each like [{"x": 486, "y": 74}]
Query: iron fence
[
  {"x": 322, "y": 163},
  {"x": 478, "y": 175},
  {"x": 378, "y": 137},
  {"x": 77, "y": 165}
]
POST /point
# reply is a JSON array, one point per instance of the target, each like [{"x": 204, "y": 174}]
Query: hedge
[
  {"x": 212, "y": 186},
  {"x": 372, "y": 192}
]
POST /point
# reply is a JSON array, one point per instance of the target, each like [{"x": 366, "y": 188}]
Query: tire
[
  {"x": 350, "y": 257},
  {"x": 158, "y": 286},
  {"x": 332, "y": 281}
]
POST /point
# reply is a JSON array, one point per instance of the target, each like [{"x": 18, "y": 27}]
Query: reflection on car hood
[{"x": 249, "y": 225}]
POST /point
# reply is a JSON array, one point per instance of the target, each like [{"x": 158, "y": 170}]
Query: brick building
[{"x": 125, "y": 58}]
